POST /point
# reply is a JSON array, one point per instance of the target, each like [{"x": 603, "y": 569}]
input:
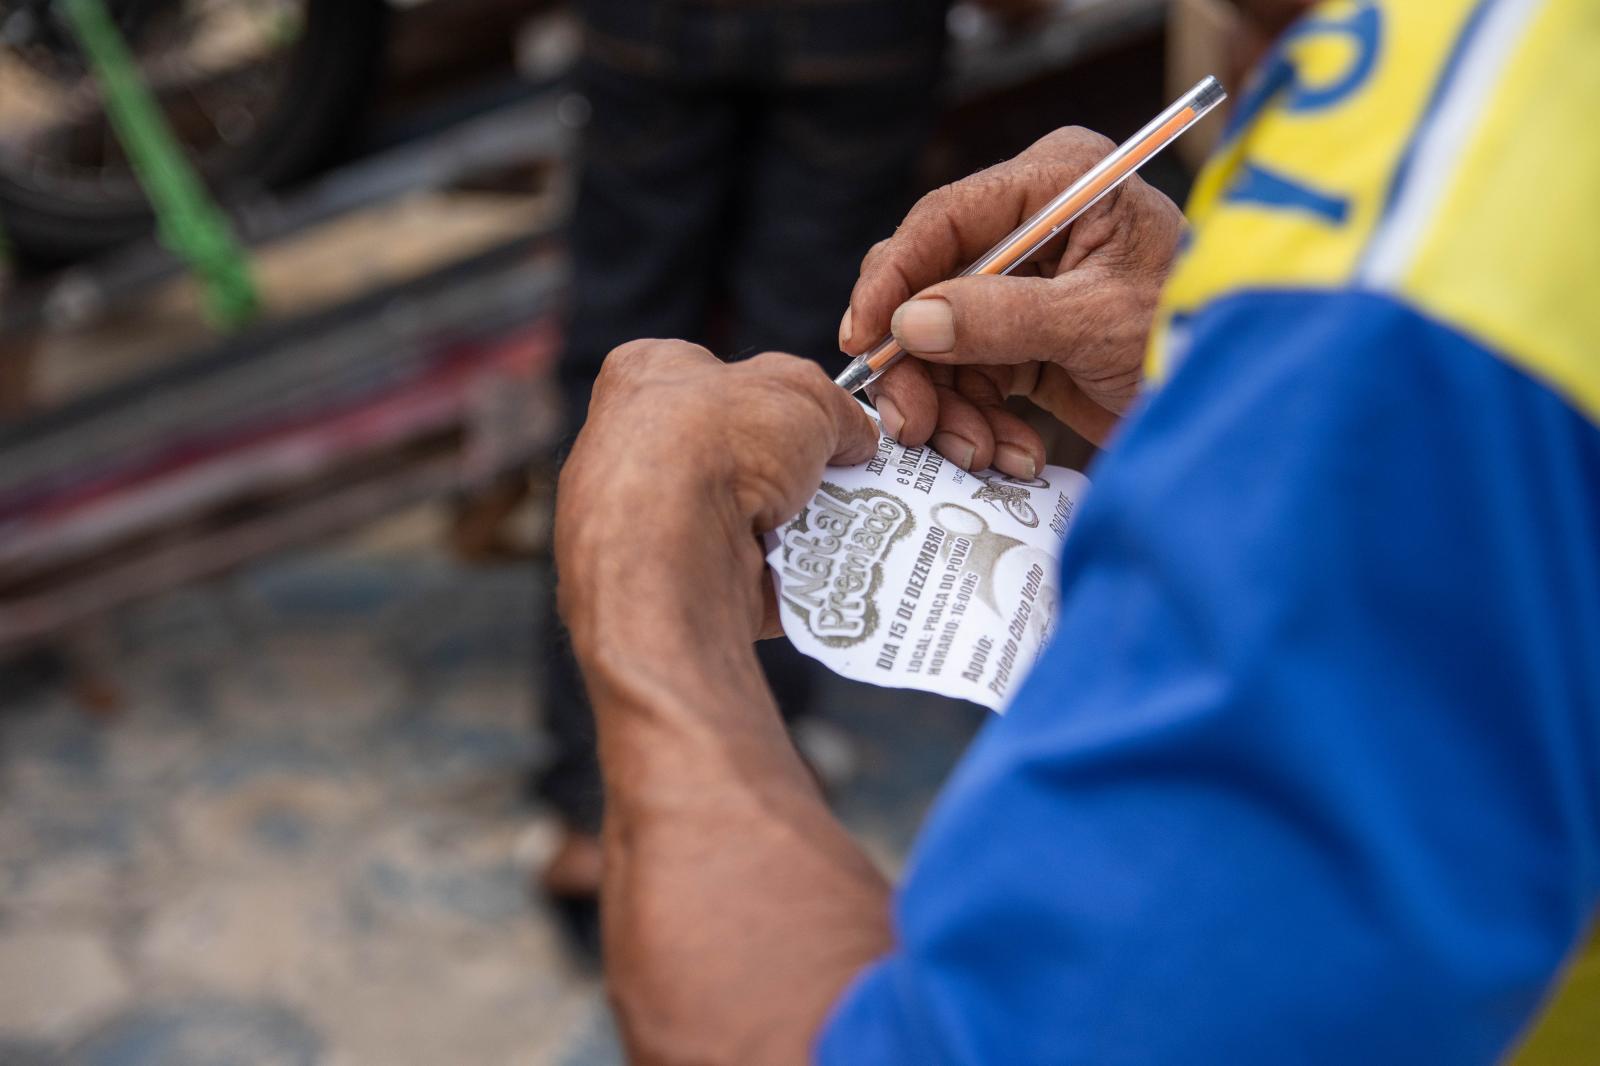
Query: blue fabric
[{"x": 1311, "y": 772}]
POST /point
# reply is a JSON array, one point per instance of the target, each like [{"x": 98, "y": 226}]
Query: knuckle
[
  {"x": 876, "y": 253},
  {"x": 791, "y": 371},
  {"x": 782, "y": 393},
  {"x": 766, "y": 362},
  {"x": 1098, "y": 143},
  {"x": 619, "y": 366},
  {"x": 948, "y": 196},
  {"x": 935, "y": 203},
  {"x": 627, "y": 362},
  {"x": 1081, "y": 138},
  {"x": 1059, "y": 137},
  {"x": 621, "y": 357},
  {"x": 1073, "y": 145},
  {"x": 810, "y": 374},
  {"x": 774, "y": 367},
  {"x": 633, "y": 351}
]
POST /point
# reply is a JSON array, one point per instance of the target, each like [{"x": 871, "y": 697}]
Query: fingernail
[
  {"x": 844, "y": 331},
  {"x": 1010, "y": 459},
  {"x": 893, "y": 420},
  {"x": 926, "y": 326},
  {"x": 959, "y": 450}
]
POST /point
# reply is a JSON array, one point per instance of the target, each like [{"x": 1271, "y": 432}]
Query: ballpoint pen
[{"x": 1055, "y": 216}]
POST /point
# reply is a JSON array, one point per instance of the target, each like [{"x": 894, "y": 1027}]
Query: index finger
[{"x": 955, "y": 224}]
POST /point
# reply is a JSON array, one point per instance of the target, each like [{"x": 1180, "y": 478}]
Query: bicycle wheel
[{"x": 258, "y": 92}]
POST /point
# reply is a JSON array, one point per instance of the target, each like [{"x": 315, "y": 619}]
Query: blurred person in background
[
  {"x": 1310, "y": 770},
  {"x": 739, "y": 157},
  {"x": 15, "y": 359}
]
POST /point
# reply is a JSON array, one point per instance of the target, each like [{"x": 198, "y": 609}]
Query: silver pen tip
[
  {"x": 1209, "y": 93},
  {"x": 855, "y": 376}
]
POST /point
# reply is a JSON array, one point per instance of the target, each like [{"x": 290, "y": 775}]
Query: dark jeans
[{"x": 741, "y": 156}]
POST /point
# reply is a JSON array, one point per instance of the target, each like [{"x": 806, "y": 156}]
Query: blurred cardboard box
[{"x": 1201, "y": 39}]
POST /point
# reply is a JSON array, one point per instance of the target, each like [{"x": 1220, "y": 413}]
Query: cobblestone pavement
[{"x": 304, "y": 838}]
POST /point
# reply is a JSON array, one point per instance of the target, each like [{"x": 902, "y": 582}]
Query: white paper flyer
[{"x": 909, "y": 572}]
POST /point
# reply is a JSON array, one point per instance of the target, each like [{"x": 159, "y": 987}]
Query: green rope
[{"x": 190, "y": 223}]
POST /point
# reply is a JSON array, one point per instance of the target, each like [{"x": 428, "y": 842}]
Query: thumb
[
  {"x": 845, "y": 435},
  {"x": 858, "y": 434},
  {"x": 1006, "y": 320}
]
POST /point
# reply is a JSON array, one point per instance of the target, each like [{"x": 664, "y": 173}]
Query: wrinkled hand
[
  {"x": 1068, "y": 330},
  {"x": 682, "y": 463}
]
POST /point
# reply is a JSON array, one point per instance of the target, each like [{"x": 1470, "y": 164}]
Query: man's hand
[
  {"x": 683, "y": 461},
  {"x": 736, "y": 909},
  {"x": 1068, "y": 330}
]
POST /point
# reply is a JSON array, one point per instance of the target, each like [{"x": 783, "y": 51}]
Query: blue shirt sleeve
[{"x": 1309, "y": 772}]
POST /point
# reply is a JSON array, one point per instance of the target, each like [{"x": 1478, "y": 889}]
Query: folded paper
[{"x": 909, "y": 572}]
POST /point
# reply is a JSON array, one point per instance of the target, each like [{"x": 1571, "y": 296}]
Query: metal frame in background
[
  {"x": 188, "y": 219},
  {"x": 295, "y": 434},
  {"x": 291, "y": 431}
]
